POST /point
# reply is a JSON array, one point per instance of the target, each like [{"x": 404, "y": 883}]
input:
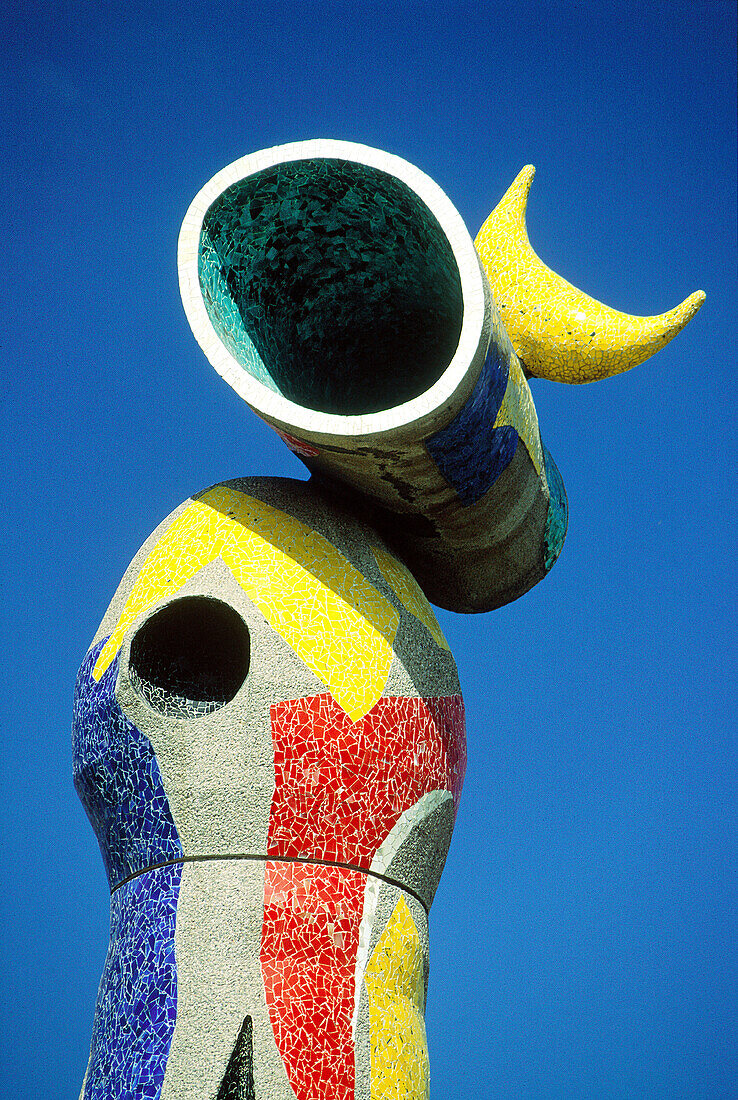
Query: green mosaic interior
[{"x": 332, "y": 283}]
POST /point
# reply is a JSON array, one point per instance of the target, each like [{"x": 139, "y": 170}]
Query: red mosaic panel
[
  {"x": 308, "y": 957},
  {"x": 342, "y": 785},
  {"x": 340, "y": 788}
]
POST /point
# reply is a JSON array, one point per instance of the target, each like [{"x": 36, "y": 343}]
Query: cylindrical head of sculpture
[
  {"x": 269, "y": 742},
  {"x": 336, "y": 289}
]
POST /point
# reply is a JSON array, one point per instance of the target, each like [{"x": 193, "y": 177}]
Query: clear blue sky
[{"x": 583, "y": 936}]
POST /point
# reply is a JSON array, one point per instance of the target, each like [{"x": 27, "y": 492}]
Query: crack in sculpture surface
[{"x": 269, "y": 732}]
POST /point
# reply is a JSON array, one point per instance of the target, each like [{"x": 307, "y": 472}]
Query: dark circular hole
[{"x": 191, "y": 657}]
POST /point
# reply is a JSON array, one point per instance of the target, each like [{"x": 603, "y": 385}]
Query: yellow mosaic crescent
[{"x": 556, "y": 330}]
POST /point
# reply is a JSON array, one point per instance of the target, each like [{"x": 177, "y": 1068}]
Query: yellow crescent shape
[{"x": 556, "y": 330}]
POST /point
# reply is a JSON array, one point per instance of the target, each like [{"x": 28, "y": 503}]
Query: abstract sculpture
[{"x": 268, "y": 731}]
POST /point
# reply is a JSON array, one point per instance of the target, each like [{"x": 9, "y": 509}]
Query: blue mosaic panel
[
  {"x": 137, "y": 1001},
  {"x": 558, "y": 512},
  {"x": 118, "y": 779},
  {"x": 470, "y": 452}
]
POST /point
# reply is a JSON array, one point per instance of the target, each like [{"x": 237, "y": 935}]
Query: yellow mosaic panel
[
  {"x": 518, "y": 411},
  {"x": 558, "y": 331},
  {"x": 323, "y": 607},
  {"x": 409, "y": 593},
  {"x": 394, "y": 982}
]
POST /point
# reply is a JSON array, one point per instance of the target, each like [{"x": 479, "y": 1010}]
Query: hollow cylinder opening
[
  {"x": 191, "y": 657},
  {"x": 332, "y": 283}
]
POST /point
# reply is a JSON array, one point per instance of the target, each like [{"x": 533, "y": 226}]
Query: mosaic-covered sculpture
[{"x": 268, "y": 728}]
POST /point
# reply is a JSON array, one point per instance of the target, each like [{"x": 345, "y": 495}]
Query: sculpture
[{"x": 269, "y": 730}]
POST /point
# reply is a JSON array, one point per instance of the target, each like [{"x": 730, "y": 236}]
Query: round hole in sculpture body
[
  {"x": 191, "y": 657},
  {"x": 332, "y": 283}
]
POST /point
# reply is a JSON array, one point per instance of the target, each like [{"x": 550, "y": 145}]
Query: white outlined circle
[{"x": 279, "y": 410}]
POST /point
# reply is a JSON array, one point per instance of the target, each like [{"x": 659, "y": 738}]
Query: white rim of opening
[{"x": 273, "y": 406}]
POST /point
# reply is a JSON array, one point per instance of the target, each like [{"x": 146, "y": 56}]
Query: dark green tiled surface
[{"x": 332, "y": 283}]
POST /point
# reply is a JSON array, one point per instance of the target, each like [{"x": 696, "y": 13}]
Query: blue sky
[{"x": 583, "y": 934}]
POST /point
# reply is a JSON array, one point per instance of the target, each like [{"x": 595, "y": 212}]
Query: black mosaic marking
[{"x": 238, "y": 1082}]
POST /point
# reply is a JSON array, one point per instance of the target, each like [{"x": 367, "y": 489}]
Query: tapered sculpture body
[
  {"x": 269, "y": 731},
  {"x": 269, "y": 740}
]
